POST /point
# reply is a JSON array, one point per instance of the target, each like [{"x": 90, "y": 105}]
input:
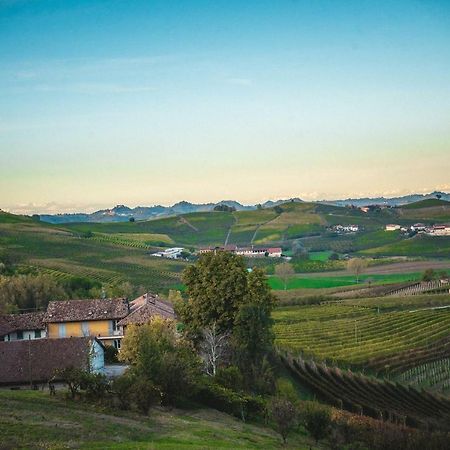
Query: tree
[
  {"x": 216, "y": 287},
  {"x": 157, "y": 353},
  {"x": 213, "y": 348},
  {"x": 278, "y": 209},
  {"x": 28, "y": 292},
  {"x": 284, "y": 416},
  {"x": 429, "y": 275},
  {"x": 284, "y": 271},
  {"x": 438, "y": 196},
  {"x": 74, "y": 378},
  {"x": 317, "y": 421},
  {"x": 356, "y": 266},
  {"x": 252, "y": 334},
  {"x": 131, "y": 219}
]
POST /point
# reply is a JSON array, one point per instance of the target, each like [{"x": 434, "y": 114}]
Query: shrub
[
  {"x": 96, "y": 385},
  {"x": 74, "y": 378},
  {"x": 226, "y": 400},
  {"x": 317, "y": 420},
  {"x": 121, "y": 388},
  {"x": 230, "y": 378},
  {"x": 284, "y": 416},
  {"x": 144, "y": 394}
]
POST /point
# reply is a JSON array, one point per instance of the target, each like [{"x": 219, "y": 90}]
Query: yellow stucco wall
[{"x": 96, "y": 328}]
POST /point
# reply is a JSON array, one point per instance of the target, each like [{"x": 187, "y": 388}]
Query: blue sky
[{"x": 143, "y": 102}]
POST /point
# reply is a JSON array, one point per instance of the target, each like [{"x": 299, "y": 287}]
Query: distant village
[
  {"x": 249, "y": 252},
  {"x": 421, "y": 228}
]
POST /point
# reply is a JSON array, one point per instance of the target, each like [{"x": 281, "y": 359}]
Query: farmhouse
[
  {"x": 22, "y": 326},
  {"x": 392, "y": 227},
  {"x": 171, "y": 253},
  {"x": 37, "y": 361},
  {"x": 144, "y": 308},
  {"x": 96, "y": 318},
  {"x": 249, "y": 252},
  {"x": 345, "y": 228},
  {"x": 441, "y": 230}
]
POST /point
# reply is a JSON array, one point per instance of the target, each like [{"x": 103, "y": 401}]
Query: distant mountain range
[
  {"x": 122, "y": 213},
  {"x": 394, "y": 201}
]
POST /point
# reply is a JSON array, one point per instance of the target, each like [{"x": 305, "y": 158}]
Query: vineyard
[
  {"x": 434, "y": 375},
  {"x": 366, "y": 396},
  {"x": 109, "y": 259},
  {"x": 353, "y": 335}
]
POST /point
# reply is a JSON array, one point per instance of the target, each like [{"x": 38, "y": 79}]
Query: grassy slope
[
  {"x": 421, "y": 245},
  {"x": 57, "y": 249},
  {"x": 426, "y": 204},
  {"x": 32, "y": 420}
]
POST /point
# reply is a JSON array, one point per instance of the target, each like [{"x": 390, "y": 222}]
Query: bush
[
  {"x": 226, "y": 400},
  {"x": 230, "y": 378},
  {"x": 284, "y": 416},
  {"x": 144, "y": 394},
  {"x": 96, "y": 385},
  {"x": 317, "y": 420},
  {"x": 121, "y": 388},
  {"x": 74, "y": 378}
]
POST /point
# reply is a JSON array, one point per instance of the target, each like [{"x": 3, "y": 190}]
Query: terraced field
[{"x": 351, "y": 334}]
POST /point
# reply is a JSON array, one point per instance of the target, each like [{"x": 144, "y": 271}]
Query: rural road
[{"x": 386, "y": 269}]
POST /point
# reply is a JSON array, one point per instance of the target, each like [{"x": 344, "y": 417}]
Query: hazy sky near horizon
[{"x": 144, "y": 102}]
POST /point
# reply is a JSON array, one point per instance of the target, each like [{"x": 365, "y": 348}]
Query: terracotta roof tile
[
  {"x": 10, "y": 323},
  {"x": 146, "y": 307},
  {"x": 38, "y": 359},
  {"x": 81, "y": 310}
]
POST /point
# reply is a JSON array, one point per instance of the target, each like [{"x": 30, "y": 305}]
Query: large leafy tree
[
  {"x": 236, "y": 303},
  {"x": 216, "y": 287}
]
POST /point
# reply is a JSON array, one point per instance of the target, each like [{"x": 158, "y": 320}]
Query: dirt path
[
  {"x": 387, "y": 269},
  {"x": 186, "y": 222}
]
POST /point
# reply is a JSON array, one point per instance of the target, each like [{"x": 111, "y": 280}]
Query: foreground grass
[{"x": 34, "y": 420}]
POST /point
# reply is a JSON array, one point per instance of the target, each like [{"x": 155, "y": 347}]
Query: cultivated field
[{"x": 352, "y": 333}]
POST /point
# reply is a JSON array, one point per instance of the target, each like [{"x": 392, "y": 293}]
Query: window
[
  {"x": 116, "y": 344},
  {"x": 62, "y": 330},
  {"x": 37, "y": 334},
  {"x": 115, "y": 325},
  {"x": 85, "y": 328},
  {"x": 20, "y": 335}
]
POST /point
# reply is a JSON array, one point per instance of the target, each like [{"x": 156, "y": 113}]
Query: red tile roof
[
  {"x": 145, "y": 307},
  {"x": 10, "y": 323},
  {"x": 81, "y": 310},
  {"x": 37, "y": 360}
]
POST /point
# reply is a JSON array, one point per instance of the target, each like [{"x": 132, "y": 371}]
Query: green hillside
[
  {"x": 421, "y": 245},
  {"x": 61, "y": 253},
  {"x": 34, "y": 420},
  {"x": 431, "y": 202}
]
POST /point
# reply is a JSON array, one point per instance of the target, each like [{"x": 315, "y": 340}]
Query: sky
[{"x": 153, "y": 102}]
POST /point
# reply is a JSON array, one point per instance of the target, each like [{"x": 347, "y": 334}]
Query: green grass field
[
  {"x": 33, "y": 420},
  {"x": 322, "y": 282},
  {"x": 421, "y": 245}
]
